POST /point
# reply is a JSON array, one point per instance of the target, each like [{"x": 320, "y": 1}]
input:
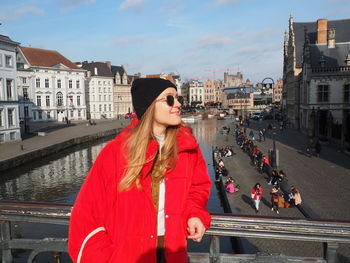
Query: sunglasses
[{"x": 170, "y": 100}]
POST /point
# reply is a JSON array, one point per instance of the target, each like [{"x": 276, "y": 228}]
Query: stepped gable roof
[
  {"x": 103, "y": 69},
  {"x": 342, "y": 34},
  {"x": 46, "y": 58},
  {"x": 118, "y": 69},
  {"x": 333, "y": 57}
]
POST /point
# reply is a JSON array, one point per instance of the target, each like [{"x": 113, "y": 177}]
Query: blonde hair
[{"x": 137, "y": 145}]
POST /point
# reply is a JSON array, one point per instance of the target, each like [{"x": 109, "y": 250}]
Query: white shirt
[{"x": 161, "y": 202}]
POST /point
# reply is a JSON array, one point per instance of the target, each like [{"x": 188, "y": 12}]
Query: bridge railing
[{"x": 331, "y": 233}]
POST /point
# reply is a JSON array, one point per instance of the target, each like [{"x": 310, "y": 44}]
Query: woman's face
[{"x": 166, "y": 115}]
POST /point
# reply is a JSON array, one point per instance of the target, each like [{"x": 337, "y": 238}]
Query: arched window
[{"x": 59, "y": 98}]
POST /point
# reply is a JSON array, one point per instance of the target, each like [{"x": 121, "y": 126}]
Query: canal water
[{"x": 58, "y": 178}]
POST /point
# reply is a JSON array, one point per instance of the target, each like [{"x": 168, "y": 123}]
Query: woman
[
  {"x": 147, "y": 190},
  {"x": 274, "y": 199},
  {"x": 257, "y": 193},
  {"x": 230, "y": 187},
  {"x": 294, "y": 196}
]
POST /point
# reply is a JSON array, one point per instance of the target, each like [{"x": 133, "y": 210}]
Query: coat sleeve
[
  {"x": 199, "y": 191},
  {"x": 88, "y": 239}
]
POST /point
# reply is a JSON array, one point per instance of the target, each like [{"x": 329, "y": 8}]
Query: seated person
[
  {"x": 294, "y": 196},
  {"x": 230, "y": 187}
]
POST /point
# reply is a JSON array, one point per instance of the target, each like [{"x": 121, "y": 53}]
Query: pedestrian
[
  {"x": 274, "y": 199},
  {"x": 294, "y": 196},
  {"x": 147, "y": 190},
  {"x": 318, "y": 148},
  {"x": 256, "y": 194},
  {"x": 251, "y": 135},
  {"x": 260, "y": 135},
  {"x": 263, "y": 134}
]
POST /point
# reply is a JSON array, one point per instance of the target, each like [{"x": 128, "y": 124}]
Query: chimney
[
  {"x": 322, "y": 31},
  {"x": 331, "y": 38},
  {"x": 95, "y": 71},
  {"x": 109, "y": 64}
]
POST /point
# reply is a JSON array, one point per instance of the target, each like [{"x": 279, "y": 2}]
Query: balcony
[
  {"x": 331, "y": 70},
  {"x": 331, "y": 233}
]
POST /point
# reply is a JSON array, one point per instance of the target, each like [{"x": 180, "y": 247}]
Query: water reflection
[{"x": 56, "y": 179}]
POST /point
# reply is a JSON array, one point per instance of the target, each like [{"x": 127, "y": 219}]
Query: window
[
  {"x": 110, "y": 107},
  {"x": 47, "y": 101},
  {"x": 59, "y": 98},
  {"x": 40, "y": 114},
  {"x": 105, "y": 107},
  {"x": 49, "y": 114},
  {"x": 100, "y": 108},
  {"x": 38, "y": 101},
  {"x": 109, "y": 98},
  {"x": 8, "y": 61},
  {"x": 94, "y": 108},
  {"x": 26, "y": 112},
  {"x": 71, "y": 113},
  {"x": 78, "y": 84},
  {"x": 78, "y": 100},
  {"x": 9, "y": 88},
  {"x": 2, "y": 137},
  {"x": 37, "y": 82},
  {"x": 70, "y": 100},
  {"x": 99, "y": 97},
  {"x": 24, "y": 80},
  {"x": 70, "y": 84},
  {"x": 104, "y": 97},
  {"x": 12, "y": 136},
  {"x": 10, "y": 114},
  {"x": 25, "y": 93},
  {"x": 59, "y": 84},
  {"x": 1, "y": 118},
  {"x": 347, "y": 93},
  {"x": 322, "y": 93},
  {"x": 34, "y": 115},
  {"x": 47, "y": 83},
  {"x": 79, "y": 113}
]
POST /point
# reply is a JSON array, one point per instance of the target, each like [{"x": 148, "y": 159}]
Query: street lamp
[{"x": 269, "y": 85}]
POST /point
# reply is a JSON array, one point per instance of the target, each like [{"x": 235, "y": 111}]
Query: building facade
[
  {"x": 325, "y": 81},
  {"x": 121, "y": 91},
  {"x": 196, "y": 93},
  {"x": 209, "y": 92},
  {"x": 99, "y": 90},
  {"x": 52, "y": 87},
  {"x": 9, "y": 105},
  {"x": 278, "y": 91}
]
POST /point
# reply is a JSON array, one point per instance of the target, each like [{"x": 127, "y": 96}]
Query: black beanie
[{"x": 145, "y": 90}]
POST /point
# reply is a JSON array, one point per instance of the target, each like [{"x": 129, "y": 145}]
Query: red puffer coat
[{"x": 111, "y": 226}]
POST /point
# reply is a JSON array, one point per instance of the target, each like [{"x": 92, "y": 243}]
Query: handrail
[{"x": 327, "y": 231}]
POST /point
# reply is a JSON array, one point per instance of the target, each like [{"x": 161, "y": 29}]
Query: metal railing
[{"x": 331, "y": 233}]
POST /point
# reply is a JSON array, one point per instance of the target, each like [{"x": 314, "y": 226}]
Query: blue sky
[{"x": 188, "y": 37}]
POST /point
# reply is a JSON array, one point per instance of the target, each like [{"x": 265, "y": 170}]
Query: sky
[{"x": 192, "y": 38}]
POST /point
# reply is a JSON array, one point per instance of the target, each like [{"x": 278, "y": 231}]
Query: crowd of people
[{"x": 262, "y": 163}]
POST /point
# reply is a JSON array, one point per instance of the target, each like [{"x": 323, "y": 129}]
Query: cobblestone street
[{"x": 323, "y": 183}]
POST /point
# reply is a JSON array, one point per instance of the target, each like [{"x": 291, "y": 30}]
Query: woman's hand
[{"x": 195, "y": 228}]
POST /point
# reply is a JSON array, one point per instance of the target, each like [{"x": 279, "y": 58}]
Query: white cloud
[
  {"x": 212, "y": 40},
  {"x": 69, "y": 5},
  {"x": 17, "y": 13},
  {"x": 134, "y": 5},
  {"x": 128, "y": 40},
  {"x": 225, "y": 2}
]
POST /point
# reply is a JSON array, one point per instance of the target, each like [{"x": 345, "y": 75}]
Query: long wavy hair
[{"x": 137, "y": 145}]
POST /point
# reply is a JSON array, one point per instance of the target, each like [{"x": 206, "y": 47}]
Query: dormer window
[
  {"x": 322, "y": 61},
  {"x": 347, "y": 60}
]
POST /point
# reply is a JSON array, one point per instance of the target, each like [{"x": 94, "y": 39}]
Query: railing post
[
  {"x": 5, "y": 241},
  {"x": 214, "y": 249},
  {"x": 331, "y": 254}
]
